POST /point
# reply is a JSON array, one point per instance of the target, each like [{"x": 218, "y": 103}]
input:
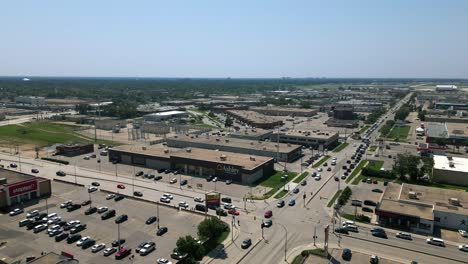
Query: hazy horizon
[{"x": 211, "y": 39}]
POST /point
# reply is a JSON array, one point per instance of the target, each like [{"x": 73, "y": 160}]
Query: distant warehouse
[
  {"x": 237, "y": 167},
  {"x": 255, "y": 119},
  {"x": 163, "y": 116},
  {"x": 284, "y": 152},
  {"x": 71, "y": 150},
  {"x": 282, "y": 111}
]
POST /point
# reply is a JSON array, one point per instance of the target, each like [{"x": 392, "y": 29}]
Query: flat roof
[
  {"x": 304, "y": 133},
  {"x": 457, "y": 129},
  {"x": 246, "y": 161},
  {"x": 436, "y": 130},
  {"x": 254, "y": 116},
  {"x": 167, "y": 113},
  {"x": 396, "y": 198},
  {"x": 49, "y": 258},
  {"x": 252, "y": 132},
  {"x": 14, "y": 176},
  {"x": 284, "y": 109},
  {"x": 239, "y": 143},
  {"x": 443, "y": 163}
]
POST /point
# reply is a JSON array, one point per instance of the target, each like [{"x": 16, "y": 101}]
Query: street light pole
[
  {"x": 157, "y": 208},
  {"x": 76, "y": 181}
]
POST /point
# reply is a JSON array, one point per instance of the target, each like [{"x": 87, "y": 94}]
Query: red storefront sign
[{"x": 22, "y": 187}]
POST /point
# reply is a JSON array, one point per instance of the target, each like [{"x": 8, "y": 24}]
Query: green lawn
[
  {"x": 375, "y": 164},
  {"x": 356, "y": 170},
  {"x": 372, "y": 148},
  {"x": 281, "y": 194},
  {"x": 274, "y": 182},
  {"x": 321, "y": 161},
  {"x": 399, "y": 133},
  {"x": 341, "y": 147},
  {"x": 359, "y": 218},
  {"x": 333, "y": 199},
  {"x": 42, "y": 134},
  {"x": 301, "y": 177}
]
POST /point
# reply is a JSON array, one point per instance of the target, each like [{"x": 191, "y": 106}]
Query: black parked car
[
  {"x": 61, "y": 237},
  {"x": 151, "y": 220},
  {"x": 115, "y": 243},
  {"x": 367, "y": 209},
  {"x": 369, "y": 202},
  {"x": 183, "y": 182},
  {"x": 138, "y": 194},
  {"x": 88, "y": 243},
  {"x": 161, "y": 231},
  {"x": 73, "y": 207},
  {"x": 346, "y": 255},
  {"x": 209, "y": 178},
  {"x": 90, "y": 210},
  {"x": 341, "y": 230},
  {"x": 78, "y": 228},
  {"x": 121, "y": 218},
  {"x": 158, "y": 177},
  {"x": 118, "y": 197},
  {"x": 246, "y": 243},
  {"x": 73, "y": 238},
  {"x": 108, "y": 214}
]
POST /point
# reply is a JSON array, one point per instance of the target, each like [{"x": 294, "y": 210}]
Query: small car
[
  {"x": 161, "y": 231},
  {"x": 122, "y": 253},
  {"x": 268, "y": 214},
  {"x": 95, "y": 184},
  {"x": 296, "y": 190},
  {"x": 121, "y": 218},
  {"x": 233, "y": 211},
  {"x": 404, "y": 235},
  {"x": 109, "y": 251},
  {"x": 304, "y": 182},
  {"x": 120, "y": 186},
  {"x": 34, "y": 170},
  {"x": 117, "y": 242},
  {"x": 110, "y": 196},
  {"x": 173, "y": 180},
  {"x": 292, "y": 202},
  {"x": 16, "y": 211},
  {"x": 346, "y": 254},
  {"x": 246, "y": 243},
  {"x": 102, "y": 209},
  {"x": 151, "y": 220},
  {"x": 87, "y": 202},
  {"x": 98, "y": 247},
  {"x": 138, "y": 194}
]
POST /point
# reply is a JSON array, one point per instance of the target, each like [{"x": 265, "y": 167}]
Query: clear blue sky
[{"x": 254, "y": 38}]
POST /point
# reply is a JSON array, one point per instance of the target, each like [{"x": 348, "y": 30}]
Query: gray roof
[{"x": 437, "y": 130}]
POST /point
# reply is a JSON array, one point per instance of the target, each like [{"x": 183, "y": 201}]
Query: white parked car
[
  {"x": 463, "y": 248},
  {"x": 174, "y": 180},
  {"x": 403, "y": 235},
  {"x": 167, "y": 195},
  {"x": 319, "y": 169},
  {"x": 463, "y": 233},
  {"x": 33, "y": 213},
  {"x": 163, "y": 261},
  {"x": 16, "y": 211},
  {"x": 198, "y": 199},
  {"x": 110, "y": 196},
  {"x": 183, "y": 204},
  {"x": 65, "y": 204},
  {"x": 109, "y": 251},
  {"x": 149, "y": 247},
  {"x": 102, "y": 209},
  {"x": 318, "y": 177},
  {"x": 54, "y": 220},
  {"x": 82, "y": 240},
  {"x": 98, "y": 247},
  {"x": 215, "y": 179},
  {"x": 92, "y": 189},
  {"x": 39, "y": 228}
]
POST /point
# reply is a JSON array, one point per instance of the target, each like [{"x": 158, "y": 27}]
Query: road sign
[{"x": 213, "y": 199}]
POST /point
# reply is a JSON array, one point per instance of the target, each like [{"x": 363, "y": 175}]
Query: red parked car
[
  {"x": 268, "y": 214},
  {"x": 233, "y": 211},
  {"x": 122, "y": 253},
  {"x": 121, "y": 186}
]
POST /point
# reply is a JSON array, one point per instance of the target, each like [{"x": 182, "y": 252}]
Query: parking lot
[
  {"x": 21, "y": 242},
  {"x": 363, "y": 192}
]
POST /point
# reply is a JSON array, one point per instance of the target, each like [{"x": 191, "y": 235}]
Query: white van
[{"x": 435, "y": 241}]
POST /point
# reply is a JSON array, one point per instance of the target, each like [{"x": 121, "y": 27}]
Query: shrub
[{"x": 57, "y": 160}]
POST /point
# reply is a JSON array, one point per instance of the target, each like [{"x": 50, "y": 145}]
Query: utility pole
[
  {"x": 157, "y": 208},
  {"x": 315, "y": 234}
]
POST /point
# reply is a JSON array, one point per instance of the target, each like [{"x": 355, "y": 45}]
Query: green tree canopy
[
  {"x": 188, "y": 245},
  {"x": 211, "y": 228}
]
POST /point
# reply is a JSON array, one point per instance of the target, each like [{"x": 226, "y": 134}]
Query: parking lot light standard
[{"x": 157, "y": 208}]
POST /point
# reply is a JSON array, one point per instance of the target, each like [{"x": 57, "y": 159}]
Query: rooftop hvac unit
[
  {"x": 451, "y": 164},
  {"x": 223, "y": 157},
  {"x": 227, "y": 140},
  {"x": 188, "y": 150},
  {"x": 449, "y": 157},
  {"x": 166, "y": 151},
  {"x": 217, "y": 139},
  {"x": 412, "y": 195},
  {"x": 187, "y": 135},
  {"x": 252, "y": 158},
  {"x": 454, "y": 201},
  {"x": 289, "y": 145},
  {"x": 175, "y": 136},
  {"x": 276, "y": 145},
  {"x": 191, "y": 137},
  {"x": 143, "y": 148},
  {"x": 251, "y": 143}
]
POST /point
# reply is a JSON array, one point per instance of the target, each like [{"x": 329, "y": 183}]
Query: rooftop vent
[
  {"x": 451, "y": 164},
  {"x": 188, "y": 150},
  {"x": 217, "y": 139},
  {"x": 176, "y": 136},
  {"x": 227, "y": 140},
  {"x": 252, "y": 158},
  {"x": 223, "y": 157},
  {"x": 166, "y": 151},
  {"x": 251, "y": 143},
  {"x": 191, "y": 136},
  {"x": 449, "y": 157},
  {"x": 187, "y": 135},
  {"x": 412, "y": 195},
  {"x": 264, "y": 148},
  {"x": 454, "y": 201},
  {"x": 143, "y": 148}
]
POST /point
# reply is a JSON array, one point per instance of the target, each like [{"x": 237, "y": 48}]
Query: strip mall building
[{"x": 17, "y": 188}]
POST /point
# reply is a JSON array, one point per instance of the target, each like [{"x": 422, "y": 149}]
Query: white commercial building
[
  {"x": 451, "y": 170},
  {"x": 156, "y": 117},
  {"x": 30, "y": 100}
]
